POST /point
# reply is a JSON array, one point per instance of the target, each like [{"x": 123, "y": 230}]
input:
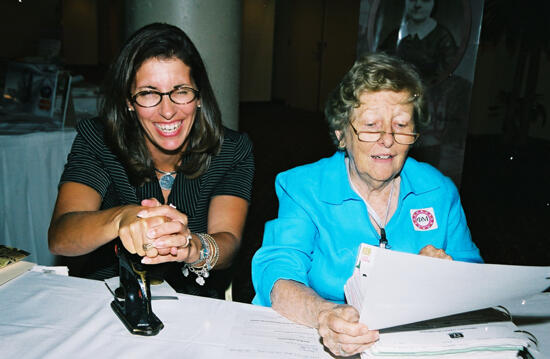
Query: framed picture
[{"x": 431, "y": 34}]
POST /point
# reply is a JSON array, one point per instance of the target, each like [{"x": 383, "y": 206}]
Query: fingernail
[
  {"x": 146, "y": 260},
  {"x": 141, "y": 214},
  {"x": 159, "y": 244}
]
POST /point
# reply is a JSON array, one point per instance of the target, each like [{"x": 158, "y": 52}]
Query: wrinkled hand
[
  {"x": 342, "y": 333},
  {"x": 431, "y": 251},
  {"x": 171, "y": 238}
]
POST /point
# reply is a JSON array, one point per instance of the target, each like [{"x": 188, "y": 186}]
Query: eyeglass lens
[
  {"x": 402, "y": 138},
  {"x": 181, "y": 96}
]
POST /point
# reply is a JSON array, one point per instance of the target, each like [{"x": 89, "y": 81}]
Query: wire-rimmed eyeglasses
[
  {"x": 150, "y": 98},
  {"x": 374, "y": 136}
]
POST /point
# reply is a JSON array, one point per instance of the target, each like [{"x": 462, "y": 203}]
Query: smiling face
[
  {"x": 166, "y": 125},
  {"x": 377, "y": 163}
]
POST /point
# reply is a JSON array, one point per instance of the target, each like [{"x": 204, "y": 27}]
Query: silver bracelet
[
  {"x": 209, "y": 253},
  {"x": 204, "y": 252}
]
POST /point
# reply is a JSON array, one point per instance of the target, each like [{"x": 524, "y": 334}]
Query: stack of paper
[
  {"x": 477, "y": 334},
  {"x": 391, "y": 288}
]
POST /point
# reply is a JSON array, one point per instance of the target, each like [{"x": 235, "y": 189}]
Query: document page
[
  {"x": 266, "y": 334},
  {"x": 397, "y": 288}
]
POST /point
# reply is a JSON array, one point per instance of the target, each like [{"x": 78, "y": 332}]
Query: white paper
[
  {"x": 248, "y": 331},
  {"x": 14, "y": 270},
  {"x": 400, "y": 288},
  {"x": 475, "y": 337},
  {"x": 508, "y": 354},
  {"x": 266, "y": 334}
]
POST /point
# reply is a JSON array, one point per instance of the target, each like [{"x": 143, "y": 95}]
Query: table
[
  {"x": 50, "y": 316},
  {"x": 30, "y": 168}
]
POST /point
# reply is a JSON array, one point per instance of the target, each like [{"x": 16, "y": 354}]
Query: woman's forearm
[
  {"x": 298, "y": 303},
  {"x": 78, "y": 233},
  {"x": 228, "y": 246},
  {"x": 226, "y": 218}
]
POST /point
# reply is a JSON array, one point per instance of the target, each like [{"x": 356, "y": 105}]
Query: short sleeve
[
  {"x": 84, "y": 167},
  {"x": 237, "y": 154}
]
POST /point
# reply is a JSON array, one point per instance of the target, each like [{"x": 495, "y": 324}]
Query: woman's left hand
[
  {"x": 171, "y": 239},
  {"x": 431, "y": 251}
]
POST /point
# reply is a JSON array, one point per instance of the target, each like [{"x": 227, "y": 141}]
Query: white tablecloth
[
  {"x": 30, "y": 168},
  {"x": 51, "y": 316}
]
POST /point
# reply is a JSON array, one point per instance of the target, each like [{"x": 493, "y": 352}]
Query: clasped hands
[{"x": 158, "y": 233}]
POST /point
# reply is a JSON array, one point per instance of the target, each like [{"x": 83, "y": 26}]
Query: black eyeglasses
[
  {"x": 151, "y": 98},
  {"x": 374, "y": 136}
]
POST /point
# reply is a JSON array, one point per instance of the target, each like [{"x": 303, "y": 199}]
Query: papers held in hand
[{"x": 391, "y": 288}]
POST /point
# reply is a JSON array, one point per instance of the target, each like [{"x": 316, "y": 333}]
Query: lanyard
[{"x": 383, "y": 240}]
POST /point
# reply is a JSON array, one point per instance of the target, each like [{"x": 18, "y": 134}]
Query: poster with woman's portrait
[{"x": 440, "y": 39}]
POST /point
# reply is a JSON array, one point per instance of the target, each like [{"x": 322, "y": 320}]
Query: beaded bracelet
[
  {"x": 204, "y": 252},
  {"x": 209, "y": 253}
]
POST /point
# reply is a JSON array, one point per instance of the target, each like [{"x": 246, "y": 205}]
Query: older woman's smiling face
[{"x": 376, "y": 163}]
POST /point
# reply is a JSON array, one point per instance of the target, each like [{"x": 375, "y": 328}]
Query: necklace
[
  {"x": 166, "y": 180},
  {"x": 383, "y": 239},
  {"x": 383, "y": 242}
]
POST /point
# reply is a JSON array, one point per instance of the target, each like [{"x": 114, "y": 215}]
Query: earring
[
  {"x": 130, "y": 109},
  {"x": 341, "y": 145},
  {"x": 198, "y": 106}
]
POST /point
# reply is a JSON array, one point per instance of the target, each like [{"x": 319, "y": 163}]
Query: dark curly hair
[
  {"x": 371, "y": 73},
  {"x": 123, "y": 133}
]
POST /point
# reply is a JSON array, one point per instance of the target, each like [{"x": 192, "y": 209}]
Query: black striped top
[{"x": 90, "y": 162}]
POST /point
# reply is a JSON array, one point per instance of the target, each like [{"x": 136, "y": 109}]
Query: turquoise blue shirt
[{"x": 322, "y": 221}]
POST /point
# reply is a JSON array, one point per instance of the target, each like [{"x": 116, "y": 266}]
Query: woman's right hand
[
  {"x": 342, "y": 333},
  {"x": 132, "y": 230}
]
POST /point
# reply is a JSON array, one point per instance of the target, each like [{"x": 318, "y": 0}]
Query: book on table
[{"x": 11, "y": 263}]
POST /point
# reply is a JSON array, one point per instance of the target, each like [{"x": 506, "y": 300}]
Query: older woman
[
  {"x": 157, "y": 169},
  {"x": 367, "y": 192}
]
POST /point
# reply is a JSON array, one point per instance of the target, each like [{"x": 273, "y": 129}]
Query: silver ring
[
  {"x": 148, "y": 246},
  {"x": 188, "y": 241}
]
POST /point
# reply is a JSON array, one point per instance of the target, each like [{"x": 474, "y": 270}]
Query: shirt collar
[
  {"x": 335, "y": 187},
  {"x": 422, "y": 32}
]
